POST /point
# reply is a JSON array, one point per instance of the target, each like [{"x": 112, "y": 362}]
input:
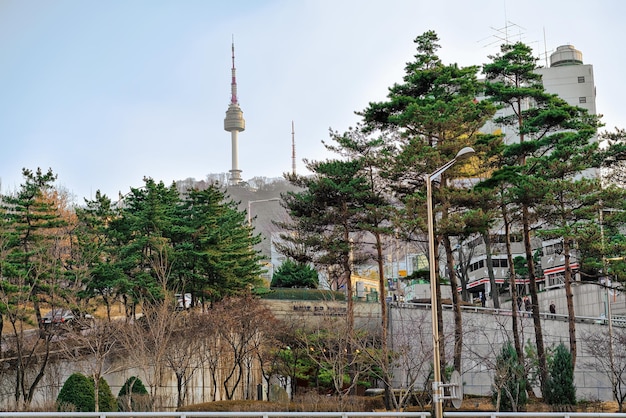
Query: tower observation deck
[{"x": 234, "y": 123}]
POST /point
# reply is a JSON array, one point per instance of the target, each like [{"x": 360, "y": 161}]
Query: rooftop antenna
[
  {"x": 502, "y": 34},
  {"x": 293, "y": 150},
  {"x": 545, "y": 47}
]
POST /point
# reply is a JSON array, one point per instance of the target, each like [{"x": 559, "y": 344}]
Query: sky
[{"x": 106, "y": 93}]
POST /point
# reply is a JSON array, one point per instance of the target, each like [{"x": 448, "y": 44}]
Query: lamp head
[{"x": 464, "y": 153}]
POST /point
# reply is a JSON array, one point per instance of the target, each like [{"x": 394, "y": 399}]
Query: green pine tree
[
  {"x": 510, "y": 385},
  {"x": 214, "y": 246},
  {"x": 31, "y": 270},
  {"x": 553, "y": 143},
  {"x": 560, "y": 389},
  {"x": 432, "y": 115},
  {"x": 293, "y": 274}
]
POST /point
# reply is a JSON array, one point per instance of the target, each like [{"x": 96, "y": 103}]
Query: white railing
[
  {"x": 311, "y": 414},
  {"x": 215, "y": 414},
  {"x": 617, "y": 320}
]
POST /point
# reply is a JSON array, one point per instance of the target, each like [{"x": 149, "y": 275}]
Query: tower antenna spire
[
  {"x": 233, "y": 83},
  {"x": 293, "y": 150}
]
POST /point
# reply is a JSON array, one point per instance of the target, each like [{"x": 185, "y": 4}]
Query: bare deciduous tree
[
  {"x": 147, "y": 339},
  {"x": 92, "y": 343},
  {"x": 609, "y": 354},
  {"x": 411, "y": 356},
  {"x": 182, "y": 355},
  {"x": 243, "y": 321}
]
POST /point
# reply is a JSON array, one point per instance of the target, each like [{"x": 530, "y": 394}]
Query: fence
[{"x": 310, "y": 414}]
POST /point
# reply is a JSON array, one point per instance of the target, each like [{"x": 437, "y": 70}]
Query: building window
[
  {"x": 582, "y": 100},
  {"x": 553, "y": 249},
  {"x": 477, "y": 265},
  {"x": 475, "y": 242},
  {"x": 555, "y": 280},
  {"x": 581, "y": 79},
  {"x": 499, "y": 262}
]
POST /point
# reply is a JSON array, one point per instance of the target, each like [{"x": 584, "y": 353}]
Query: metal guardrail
[
  {"x": 310, "y": 414},
  {"x": 216, "y": 414},
  {"x": 619, "y": 321},
  {"x": 534, "y": 414}
]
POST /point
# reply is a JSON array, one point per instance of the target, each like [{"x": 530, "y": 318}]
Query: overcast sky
[{"x": 107, "y": 92}]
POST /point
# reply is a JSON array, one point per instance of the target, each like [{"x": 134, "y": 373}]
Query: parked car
[
  {"x": 62, "y": 316},
  {"x": 183, "y": 302}
]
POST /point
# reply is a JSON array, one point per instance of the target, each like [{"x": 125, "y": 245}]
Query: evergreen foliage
[
  {"x": 133, "y": 385},
  {"x": 509, "y": 386},
  {"x": 77, "y": 394},
  {"x": 294, "y": 274},
  {"x": 106, "y": 399},
  {"x": 432, "y": 115},
  {"x": 133, "y": 396},
  {"x": 32, "y": 251},
  {"x": 560, "y": 389},
  {"x": 552, "y": 144},
  {"x": 156, "y": 239}
]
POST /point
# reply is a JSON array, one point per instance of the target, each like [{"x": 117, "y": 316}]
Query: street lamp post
[
  {"x": 250, "y": 202},
  {"x": 437, "y": 384}
]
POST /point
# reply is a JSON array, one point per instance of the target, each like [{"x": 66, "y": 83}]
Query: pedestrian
[
  {"x": 527, "y": 305},
  {"x": 552, "y": 309},
  {"x": 519, "y": 304}
]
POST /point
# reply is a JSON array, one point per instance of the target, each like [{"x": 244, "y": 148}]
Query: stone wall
[{"x": 484, "y": 333}]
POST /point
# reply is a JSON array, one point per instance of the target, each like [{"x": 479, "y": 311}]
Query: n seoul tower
[{"x": 234, "y": 123}]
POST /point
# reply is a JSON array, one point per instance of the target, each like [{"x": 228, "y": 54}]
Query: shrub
[
  {"x": 509, "y": 386},
  {"x": 133, "y": 396},
  {"x": 293, "y": 274},
  {"x": 77, "y": 394},
  {"x": 560, "y": 389},
  {"x": 133, "y": 385},
  {"x": 106, "y": 399},
  {"x": 304, "y": 294}
]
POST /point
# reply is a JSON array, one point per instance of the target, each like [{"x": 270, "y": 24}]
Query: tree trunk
[
  {"x": 96, "y": 394},
  {"x": 513, "y": 285},
  {"x": 442, "y": 345},
  {"x": 463, "y": 276},
  {"x": 495, "y": 294},
  {"x": 569, "y": 297},
  {"x": 456, "y": 304},
  {"x": 347, "y": 271},
  {"x": 384, "y": 315},
  {"x": 541, "y": 354}
]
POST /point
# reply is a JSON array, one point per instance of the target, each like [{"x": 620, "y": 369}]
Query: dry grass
[
  {"x": 323, "y": 403},
  {"x": 483, "y": 404},
  {"x": 308, "y": 403}
]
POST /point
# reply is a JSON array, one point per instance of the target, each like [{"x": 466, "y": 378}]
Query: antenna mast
[
  {"x": 233, "y": 83},
  {"x": 293, "y": 150},
  {"x": 545, "y": 47}
]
